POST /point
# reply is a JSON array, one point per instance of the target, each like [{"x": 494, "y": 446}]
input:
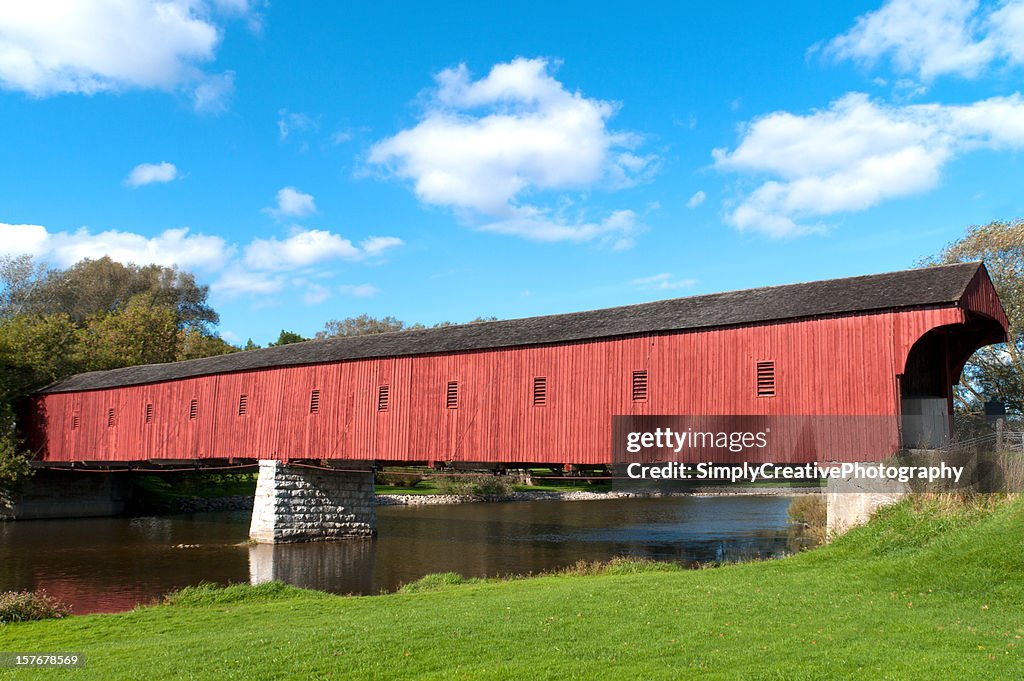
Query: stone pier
[
  {"x": 299, "y": 504},
  {"x": 850, "y": 502}
]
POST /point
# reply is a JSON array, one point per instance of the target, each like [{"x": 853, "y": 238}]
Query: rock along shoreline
[{"x": 385, "y": 499}]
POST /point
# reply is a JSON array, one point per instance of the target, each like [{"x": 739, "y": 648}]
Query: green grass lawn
[{"x": 928, "y": 590}]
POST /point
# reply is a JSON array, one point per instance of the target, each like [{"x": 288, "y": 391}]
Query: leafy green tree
[
  {"x": 96, "y": 315},
  {"x": 138, "y": 333},
  {"x": 196, "y": 344},
  {"x": 103, "y": 286},
  {"x": 287, "y": 338},
  {"x": 363, "y": 325},
  {"x": 249, "y": 345},
  {"x": 34, "y": 350},
  {"x": 996, "y": 370}
]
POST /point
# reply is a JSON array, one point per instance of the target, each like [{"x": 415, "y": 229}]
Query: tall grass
[{"x": 809, "y": 515}]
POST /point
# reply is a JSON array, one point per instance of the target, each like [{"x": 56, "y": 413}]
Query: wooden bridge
[{"x": 543, "y": 390}]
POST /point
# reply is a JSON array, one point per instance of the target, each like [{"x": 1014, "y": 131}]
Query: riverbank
[
  {"x": 433, "y": 499},
  {"x": 929, "y": 589}
]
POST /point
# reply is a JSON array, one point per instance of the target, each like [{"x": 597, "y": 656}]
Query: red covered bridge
[{"x": 541, "y": 390}]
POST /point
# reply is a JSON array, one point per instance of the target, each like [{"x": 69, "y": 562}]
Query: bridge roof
[{"x": 926, "y": 287}]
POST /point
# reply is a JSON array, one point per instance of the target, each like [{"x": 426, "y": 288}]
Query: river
[{"x": 114, "y": 564}]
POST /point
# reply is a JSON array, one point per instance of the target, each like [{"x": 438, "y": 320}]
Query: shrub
[
  {"x": 24, "y": 606},
  {"x": 399, "y": 479},
  {"x": 809, "y": 515},
  {"x": 476, "y": 485}
]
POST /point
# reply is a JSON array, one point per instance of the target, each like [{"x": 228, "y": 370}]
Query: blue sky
[{"x": 312, "y": 161}]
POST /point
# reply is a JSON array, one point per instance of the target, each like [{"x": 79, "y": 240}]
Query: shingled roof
[{"x": 932, "y": 286}]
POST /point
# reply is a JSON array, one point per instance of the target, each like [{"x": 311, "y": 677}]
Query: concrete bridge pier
[
  {"x": 850, "y": 502},
  {"x": 302, "y": 504}
]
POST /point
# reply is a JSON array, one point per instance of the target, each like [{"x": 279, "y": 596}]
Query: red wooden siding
[
  {"x": 831, "y": 366},
  {"x": 980, "y": 297}
]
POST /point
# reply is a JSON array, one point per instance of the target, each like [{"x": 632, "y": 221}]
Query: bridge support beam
[{"x": 298, "y": 504}]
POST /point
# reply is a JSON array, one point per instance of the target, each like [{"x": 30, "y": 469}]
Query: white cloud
[
  {"x": 303, "y": 248},
  {"x": 341, "y": 136},
  {"x": 931, "y": 38},
  {"x": 150, "y": 173},
  {"x": 376, "y": 245},
  {"x": 266, "y": 266},
  {"x": 171, "y": 247},
  {"x": 291, "y": 202},
  {"x": 481, "y": 146},
  {"x": 290, "y": 123},
  {"x": 697, "y": 199},
  {"x": 212, "y": 92},
  {"x": 238, "y": 281},
  {"x": 315, "y": 294},
  {"x": 359, "y": 290},
  {"x": 857, "y": 153},
  {"x": 24, "y": 240},
  {"x": 617, "y": 230},
  {"x": 49, "y": 47},
  {"x": 662, "y": 282}
]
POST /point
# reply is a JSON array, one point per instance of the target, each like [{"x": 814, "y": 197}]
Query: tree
[
  {"x": 34, "y": 351},
  {"x": 996, "y": 370},
  {"x": 249, "y": 345},
  {"x": 138, "y": 333},
  {"x": 102, "y": 286},
  {"x": 287, "y": 338},
  {"x": 20, "y": 277},
  {"x": 475, "y": 320},
  {"x": 96, "y": 315},
  {"x": 196, "y": 344},
  {"x": 363, "y": 325}
]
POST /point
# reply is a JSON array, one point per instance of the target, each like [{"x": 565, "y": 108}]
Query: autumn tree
[{"x": 995, "y": 371}]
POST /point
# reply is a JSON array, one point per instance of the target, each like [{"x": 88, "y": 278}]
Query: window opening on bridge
[
  {"x": 193, "y": 409},
  {"x": 74, "y": 421},
  {"x": 640, "y": 386},
  {"x": 383, "y": 397},
  {"x": 314, "y": 402},
  {"x": 451, "y": 399},
  {"x": 110, "y": 417},
  {"x": 243, "y": 404},
  {"x": 540, "y": 391},
  {"x": 149, "y": 412},
  {"x": 766, "y": 379}
]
